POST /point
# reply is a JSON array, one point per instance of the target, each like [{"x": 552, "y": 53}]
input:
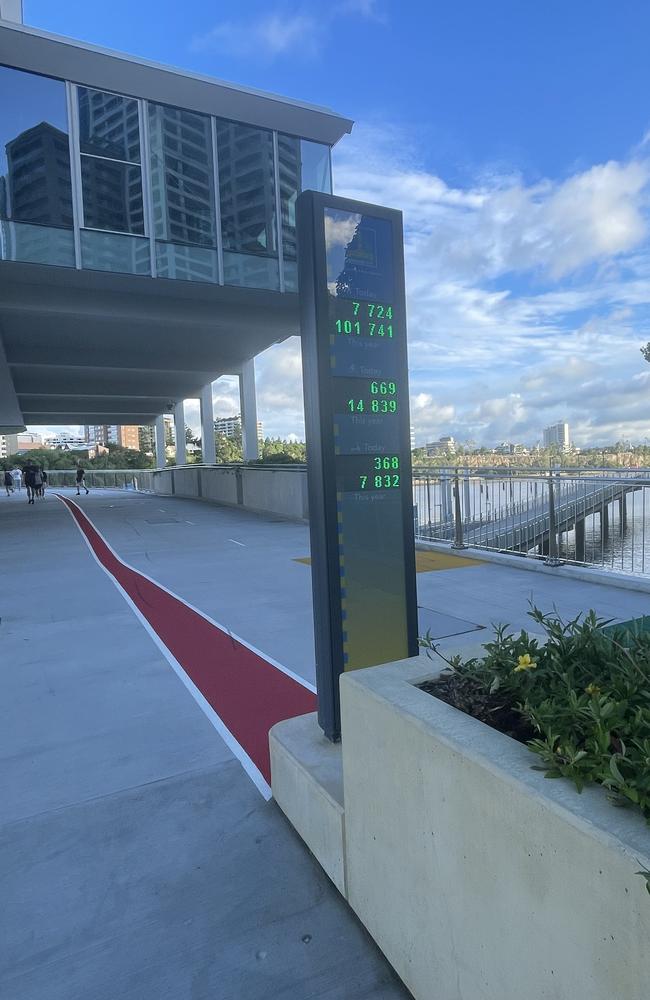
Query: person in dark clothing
[
  {"x": 9, "y": 482},
  {"x": 44, "y": 481},
  {"x": 81, "y": 479},
  {"x": 29, "y": 473},
  {"x": 38, "y": 480}
]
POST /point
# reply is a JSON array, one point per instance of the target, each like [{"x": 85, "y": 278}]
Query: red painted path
[{"x": 248, "y": 693}]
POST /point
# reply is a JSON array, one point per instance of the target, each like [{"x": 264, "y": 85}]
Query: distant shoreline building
[
  {"x": 231, "y": 427},
  {"x": 66, "y": 442},
  {"x": 557, "y": 436},
  {"x": 25, "y": 441},
  {"x": 445, "y": 444},
  {"x": 124, "y": 435}
]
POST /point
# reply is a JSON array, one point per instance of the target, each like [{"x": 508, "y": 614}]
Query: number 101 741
[{"x": 354, "y": 328}]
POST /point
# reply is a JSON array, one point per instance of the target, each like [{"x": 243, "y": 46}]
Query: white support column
[
  {"x": 159, "y": 430},
  {"x": 208, "y": 448},
  {"x": 179, "y": 431},
  {"x": 248, "y": 403}
]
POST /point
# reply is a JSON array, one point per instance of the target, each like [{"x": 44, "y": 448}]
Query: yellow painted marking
[{"x": 428, "y": 562}]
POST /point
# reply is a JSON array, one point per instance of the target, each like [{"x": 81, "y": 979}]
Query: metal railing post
[
  {"x": 552, "y": 559},
  {"x": 458, "y": 542}
]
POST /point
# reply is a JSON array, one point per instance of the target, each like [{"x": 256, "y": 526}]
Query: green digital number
[
  {"x": 380, "y": 330},
  {"x": 362, "y": 482},
  {"x": 355, "y": 307},
  {"x": 390, "y": 481},
  {"x": 388, "y": 462},
  {"x": 381, "y": 312},
  {"x": 347, "y": 326},
  {"x": 356, "y": 406},
  {"x": 383, "y": 388},
  {"x": 383, "y": 406}
]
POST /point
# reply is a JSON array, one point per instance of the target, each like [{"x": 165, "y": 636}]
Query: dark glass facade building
[{"x": 97, "y": 180}]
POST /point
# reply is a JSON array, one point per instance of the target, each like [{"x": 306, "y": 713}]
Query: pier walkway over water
[
  {"x": 589, "y": 516},
  {"x": 147, "y": 644}
]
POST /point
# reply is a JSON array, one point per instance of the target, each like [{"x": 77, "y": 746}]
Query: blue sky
[{"x": 516, "y": 139}]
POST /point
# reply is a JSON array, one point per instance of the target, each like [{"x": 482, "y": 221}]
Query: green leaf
[
  {"x": 613, "y": 766},
  {"x": 644, "y": 873}
]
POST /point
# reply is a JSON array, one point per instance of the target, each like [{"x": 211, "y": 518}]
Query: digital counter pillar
[{"x": 353, "y": 330}]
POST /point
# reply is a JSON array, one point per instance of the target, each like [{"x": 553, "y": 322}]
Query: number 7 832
[{"x": 389, "y": 481}]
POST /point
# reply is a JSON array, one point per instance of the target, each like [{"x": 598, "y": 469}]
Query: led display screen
[{"x": 358, "y": 437}]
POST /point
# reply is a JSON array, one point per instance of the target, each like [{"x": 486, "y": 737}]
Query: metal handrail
[{"x": 591, "y": 517}]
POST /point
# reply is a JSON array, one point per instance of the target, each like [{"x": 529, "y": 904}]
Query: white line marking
[
  {"x": 191, "y": 522},
  {"x": 236, "y": 542},
  {"x": 249, "y": 766}
]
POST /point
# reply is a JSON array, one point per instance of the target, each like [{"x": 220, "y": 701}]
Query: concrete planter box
[{"x": 479, "y": 878}]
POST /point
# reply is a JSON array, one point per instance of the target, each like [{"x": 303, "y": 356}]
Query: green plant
[
  {"x": 580, "y": 699},
  {"x": 644, "y": 873}
]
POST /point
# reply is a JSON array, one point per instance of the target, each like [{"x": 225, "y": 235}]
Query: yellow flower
[
  {"x": 592, "y": 690},
  {"x": 525, "y": 663}
]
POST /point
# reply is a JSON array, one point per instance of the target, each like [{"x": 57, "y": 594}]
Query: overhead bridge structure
[{"x": 147, "y": 233}]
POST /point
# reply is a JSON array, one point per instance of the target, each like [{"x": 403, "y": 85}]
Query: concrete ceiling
[{"x": 92, "y": 347}]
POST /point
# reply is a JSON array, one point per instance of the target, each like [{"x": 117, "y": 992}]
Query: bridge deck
[{"x": 137, "y": 857}]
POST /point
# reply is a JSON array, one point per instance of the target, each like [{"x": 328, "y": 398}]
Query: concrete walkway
[
  {"x": 247, "y": 572},
  {"x": 137, "y": 859}
]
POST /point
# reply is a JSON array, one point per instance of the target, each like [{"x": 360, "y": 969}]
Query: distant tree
[
  {"x": 228, "y": 449},
  {"x": 645, "y": 351},
  {"x": 280, "y": 452},
  {"x": 54, "y": 458}
]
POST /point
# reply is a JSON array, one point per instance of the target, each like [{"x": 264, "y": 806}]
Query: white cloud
[
  {"x": 272, "y": 36},
  {"x": 282, "y": 31},
  {"x": 51, "y": 430},
  {"x": 506, "y": 280},
  {"x": 368, "y": 9},
  {"x": 502, "y": 226}
]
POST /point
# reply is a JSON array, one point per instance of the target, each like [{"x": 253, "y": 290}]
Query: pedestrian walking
[
  {"x": 38, "y": 480},
  {"x": 18, "y": 478},
  {"x": 29, "y": 473},
  {"x": 44, "y": 483},
  {"x": 81, "y": 479},
  {"x": 9, "y": 482}
]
